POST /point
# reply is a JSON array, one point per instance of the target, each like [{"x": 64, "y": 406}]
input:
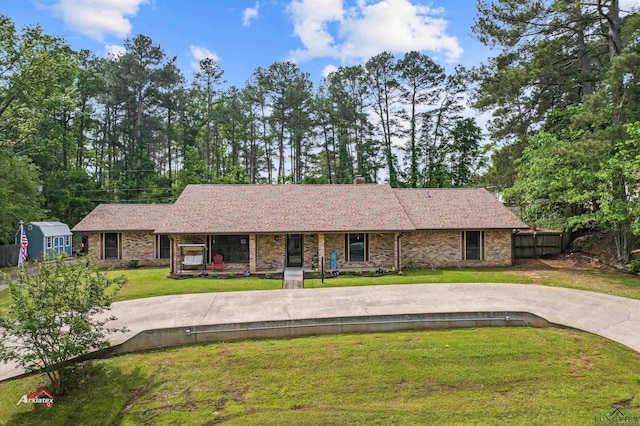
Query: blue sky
[{"x": 244, "y": 34}]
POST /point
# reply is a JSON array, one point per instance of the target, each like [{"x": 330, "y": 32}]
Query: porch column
[
  {"x": 252, "y": 253},
  {"x": 172, "y": 251},
  {"x": 396, "y": 250},
  {"x": 320, "y": 250}
]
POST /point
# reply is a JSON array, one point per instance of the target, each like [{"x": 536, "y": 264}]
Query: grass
[
  {"x": 601, "y": 280},
  {"x": 149, "y": 282},
  {"x": 474, "y": 376}
]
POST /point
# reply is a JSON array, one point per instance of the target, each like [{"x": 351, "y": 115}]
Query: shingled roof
[
  {"x": 285, "y": 208},
  {"x": 123, "y": 217},
  {"x": 469, "y": 208},
  {"x": 232, "y": 209}
]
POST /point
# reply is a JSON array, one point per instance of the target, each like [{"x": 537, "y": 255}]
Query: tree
[
  {"x": 382, "y": 78},
  {"x": 19, "y": 194},
  {"x": 421, "y": 78},
  {"x": 55, "y": 315},
  {"x": 466, "y": 157}
]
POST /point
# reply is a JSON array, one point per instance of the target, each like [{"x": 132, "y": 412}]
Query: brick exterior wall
[
  {"x": 431, "y": 249},
  {"x": 438, "y": 249},
  {"x": 140, "y": 246},
  {"x": 381, "y": 251},
  {"x": 270, "y": 253}
]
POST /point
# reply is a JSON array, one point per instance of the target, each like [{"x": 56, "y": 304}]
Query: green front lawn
[
  {"x": 149, "y": 282},
  {"x": 475, "y": 376}
]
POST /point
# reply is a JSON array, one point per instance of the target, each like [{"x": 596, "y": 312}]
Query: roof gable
[
  {"x": 464, "y": 208},
  {"x": 123, "y": 217}
]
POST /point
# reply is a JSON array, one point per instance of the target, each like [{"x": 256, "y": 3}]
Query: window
[
  {"x": 67, "y": 240},
  {"x": 111, "y": 245},
  {"x": 473, "y": 245},
  {"x": 357, "y": 247},
  {"x": 163, "y": 247},
  {"x": 233, "y": 248},
  {"x": 49, "y": 242}
]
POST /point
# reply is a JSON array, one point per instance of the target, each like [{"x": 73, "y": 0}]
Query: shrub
[
  {"x": 57, "y": 314},
  {"x": 268, "y": 275},
  {"x": 357, "y": 272},
  {"x": 409, "y": 265},
  {"x": 634, "y": 266},
  {"x": 133, "y": 264}
]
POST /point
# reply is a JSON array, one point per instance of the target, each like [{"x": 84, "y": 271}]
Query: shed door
[{"x": 58, "y": 244}]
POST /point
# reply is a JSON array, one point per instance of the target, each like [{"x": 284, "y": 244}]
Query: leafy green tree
[
  {"x": 287, "y": 92},
  {"x": 206, "y": 84},
  {"x": 466, "y": 156},
  {"x": 69, "y": 195},
  {"x": 56, "y": 315},
  {"x": 19, "y": 184},
  {"x": 382, "y": 79},
  {"x": 194, "y": 170},
  {"x": 422, "y": 81}
]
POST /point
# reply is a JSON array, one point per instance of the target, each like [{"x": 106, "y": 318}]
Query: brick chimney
[{"x": 358, "y": 180}]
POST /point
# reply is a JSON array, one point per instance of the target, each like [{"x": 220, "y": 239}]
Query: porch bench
[{"x": 192, "y": 260}]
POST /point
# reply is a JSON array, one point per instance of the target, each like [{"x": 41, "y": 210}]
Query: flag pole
[
  {"x": 20, "y": 242},
  {"x": 22, "y": 254}
]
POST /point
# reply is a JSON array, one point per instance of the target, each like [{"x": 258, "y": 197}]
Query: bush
[
  {"x": 57, "y": 313},
  {"x": 268, "y": 275},
  {"x": 634, "y": 266},
  {"x": 133, "y": 264},
  {"x": 409, "y": 265}
]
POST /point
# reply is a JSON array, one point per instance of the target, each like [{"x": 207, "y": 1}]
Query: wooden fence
[
  {"x": 9, "y": 255},
  {"x": 540, "y": 243}
]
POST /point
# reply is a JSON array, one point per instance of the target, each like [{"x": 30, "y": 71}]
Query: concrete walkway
[
  {"x": 293, "y": 278},
  {"x": 612, "y": 317}
]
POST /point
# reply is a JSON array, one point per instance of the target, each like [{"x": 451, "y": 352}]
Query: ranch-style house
[{"x": 266, "y": 228}]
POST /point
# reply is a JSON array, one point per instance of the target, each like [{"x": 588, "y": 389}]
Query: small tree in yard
[{"x": 55, "y": 315}]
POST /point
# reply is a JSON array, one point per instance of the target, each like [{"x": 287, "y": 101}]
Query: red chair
[{"x": 218, "y": 263}]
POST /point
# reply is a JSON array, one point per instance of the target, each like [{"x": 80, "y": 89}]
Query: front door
[{"x": 294, "y": 250}]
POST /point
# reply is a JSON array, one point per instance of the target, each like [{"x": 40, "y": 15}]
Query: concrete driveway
[{"x": 612, "y": 317}]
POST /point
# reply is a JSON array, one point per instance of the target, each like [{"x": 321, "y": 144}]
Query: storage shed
[{"x": 47, "y": 238}]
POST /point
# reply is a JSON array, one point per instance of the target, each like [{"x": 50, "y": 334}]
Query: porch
[{"x": 258, "y": 254}]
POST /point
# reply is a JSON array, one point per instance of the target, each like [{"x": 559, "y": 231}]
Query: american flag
[{"x": 24, "y": 244}]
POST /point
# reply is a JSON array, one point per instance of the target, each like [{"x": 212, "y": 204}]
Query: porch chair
[{"x": 218, "y": 263}]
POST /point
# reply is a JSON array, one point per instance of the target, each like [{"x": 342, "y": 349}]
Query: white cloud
[
  {"x": 199, "y": 53},
  {"x": 114, "y": 50},
  {"x": 97, "y": 18},
  {"x": 310, "y": 24},
  {"x": 328, "y": 70},
  {"x": 249, "y": 14},
  {"x": 368, "y": 28}
]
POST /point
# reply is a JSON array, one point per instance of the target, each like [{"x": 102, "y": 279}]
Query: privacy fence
[
  {"x": 9, "y": 255},
  {"x": 540, "y": 243}
]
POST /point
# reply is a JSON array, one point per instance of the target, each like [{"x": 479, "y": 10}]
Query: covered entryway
[{"x": 294, "y": 250}]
